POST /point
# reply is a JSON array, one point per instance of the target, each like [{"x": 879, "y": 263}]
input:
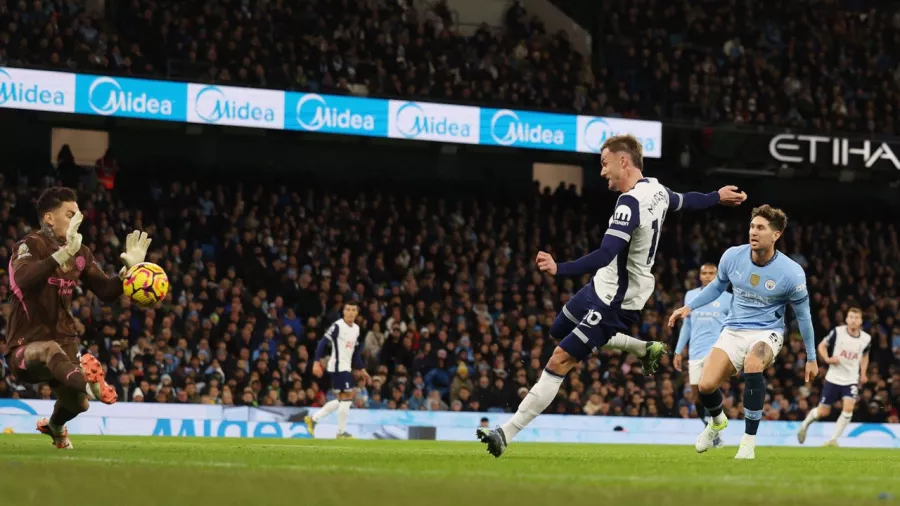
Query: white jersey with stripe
[
  {"x": 627, "y": 281},
  {"x": 850, "y": 349},
  {"x": 343, "y": 338}
]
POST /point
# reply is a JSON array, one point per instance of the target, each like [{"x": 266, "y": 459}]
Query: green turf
[{"x": 127, "y": 471}]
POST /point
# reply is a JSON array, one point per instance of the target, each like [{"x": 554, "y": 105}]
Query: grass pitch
[{"x": 132, "y": 471}]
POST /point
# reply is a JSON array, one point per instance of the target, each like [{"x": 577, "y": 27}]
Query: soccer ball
[{"x": 146, "y": 284}]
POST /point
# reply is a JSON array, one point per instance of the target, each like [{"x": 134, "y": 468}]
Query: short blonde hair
[{"x": 626, "y": 143}]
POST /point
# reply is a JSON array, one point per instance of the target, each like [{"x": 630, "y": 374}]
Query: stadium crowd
[
  {"x": 454, "y": 314},
  {"x": 823, "y": 65}
]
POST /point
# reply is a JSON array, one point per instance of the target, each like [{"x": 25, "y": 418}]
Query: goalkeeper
[{"x": 42, "y": 342}]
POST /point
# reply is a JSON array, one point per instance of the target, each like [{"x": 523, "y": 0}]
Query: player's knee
[
  {"x": 757, "y": 359},
  {"x": 707, "y": 386},
  {"x": 561, "y": 362},
  {"x": 42, "y": 351}
]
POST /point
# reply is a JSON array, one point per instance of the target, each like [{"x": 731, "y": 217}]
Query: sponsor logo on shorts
[{"x": 592, "y": 317}]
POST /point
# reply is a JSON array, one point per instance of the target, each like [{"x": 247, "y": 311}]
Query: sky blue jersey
[
  {"x": 761, "y": 294},
  {"x": 702, "y": 327}
]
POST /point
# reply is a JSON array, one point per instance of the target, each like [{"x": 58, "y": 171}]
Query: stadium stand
[
  {"x": 831, "y": 68},
  {"x": 454, "y": 316}
]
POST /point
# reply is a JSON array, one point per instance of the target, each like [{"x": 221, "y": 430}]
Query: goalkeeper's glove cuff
[
  {"x": 122, "y": 272},
  {"x": 61, "y": 256}
]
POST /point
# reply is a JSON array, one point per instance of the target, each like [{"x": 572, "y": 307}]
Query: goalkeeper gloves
[
  {"x": 73, "y": 241},
  {"x": 136, "y": 245}
]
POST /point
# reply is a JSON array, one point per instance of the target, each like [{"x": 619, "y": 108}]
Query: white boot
[{"x": 747, "y": 450}]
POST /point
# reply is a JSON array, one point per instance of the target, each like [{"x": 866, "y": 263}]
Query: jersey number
[{"x": 654, "y": 242}]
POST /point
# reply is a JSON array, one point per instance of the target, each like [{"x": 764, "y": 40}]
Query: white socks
[
  {"x": 811, "y": 417},
  {"x": 719, "y": 419},
  {"x": 326, "y": 410},
  {"x": 343, "y": 414},
  {"x": 842, "y": 422},
  {"x": 627, "y": 343},
  {"x": 541, "y": 395}
]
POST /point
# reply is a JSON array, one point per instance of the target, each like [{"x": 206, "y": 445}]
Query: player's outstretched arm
[
  {"x": 710, "y": 293},
  {"x": 597, "y": 259},
  {"x": 106, "y": 288},
  {"x": 727, "y": 196},
  {"x": 625, "y": 219}
]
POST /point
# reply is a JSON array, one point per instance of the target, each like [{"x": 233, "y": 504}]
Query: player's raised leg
[
  {"x": 649, "y": 353},
  {"x": 761, "y": 355},
  {"x": 718, "y": 368}
]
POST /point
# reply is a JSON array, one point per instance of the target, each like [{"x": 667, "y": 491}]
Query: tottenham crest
[
  {"x": 770, "y": 284},
  {"x": 754, "y": 280}
]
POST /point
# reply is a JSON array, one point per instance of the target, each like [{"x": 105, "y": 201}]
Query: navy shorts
[
  {"x": 832, "y": 393},
  {"x": 586, "y": 324},
  {"x": 342, "y": 381}
]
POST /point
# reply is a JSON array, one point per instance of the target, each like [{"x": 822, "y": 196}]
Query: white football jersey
[
  {"x": 627, "y": 281},
  {"x": 850, "y": 350},
  {"x": 343, "y": 338}
]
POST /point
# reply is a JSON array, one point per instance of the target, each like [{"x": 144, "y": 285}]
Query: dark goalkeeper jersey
[{"x": 42, "y": 290}]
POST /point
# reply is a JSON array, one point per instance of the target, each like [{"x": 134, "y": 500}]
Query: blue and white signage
[
  {"x": 523, "y": 129},
  {"x": 37, "y": 90},
  {"x": 593, "y": 132},
  {"x": 131, "y": 98},
  {"x": 425, "y": 121},
  {"x": 227, "y": 105},
  {"x": 311, "y": 112}
]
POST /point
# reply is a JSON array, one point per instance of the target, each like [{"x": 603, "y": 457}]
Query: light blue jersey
[
  {"x": 702, "y": 327},
  {"x": 761, "y": 294}
]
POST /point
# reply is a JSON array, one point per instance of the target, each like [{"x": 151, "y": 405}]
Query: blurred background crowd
[
  {"x": 454, "y": 314},
  {"x": 826, "y": 65}
]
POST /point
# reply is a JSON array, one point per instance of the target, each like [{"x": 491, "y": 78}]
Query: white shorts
[
  {"x": 695, "y": 370},
  {"x": 737, "y": 343}
]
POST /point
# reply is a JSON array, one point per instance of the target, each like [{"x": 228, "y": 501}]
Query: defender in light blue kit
[{"x": 764, "y": 281}]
